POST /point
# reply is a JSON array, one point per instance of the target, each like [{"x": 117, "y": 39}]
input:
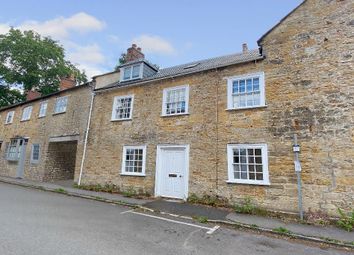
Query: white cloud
[
  {"x": 4, "y": 28},
  {"x": 61, "y": 27},
  {"x": 155, "y": 44},
  {"x": 86, "y": 57},
  {"x": 92, "y": 70},
  {"x": 89, "y": 54}
]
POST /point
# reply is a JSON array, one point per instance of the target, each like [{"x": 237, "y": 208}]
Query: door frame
[
  {"x": 21, "y": 161},
  {"x": 158, "y": 172}
]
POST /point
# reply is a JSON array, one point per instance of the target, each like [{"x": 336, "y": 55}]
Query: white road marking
[
  {"x": 210, "y": 230},
  {"x": 127, "y": 211}
]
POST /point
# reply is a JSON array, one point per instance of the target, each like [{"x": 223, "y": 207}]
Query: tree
[
  {"x": 10, "y": 96},
  {"x": 122, "y": 60},
  {"x": 33, "y": 62}
]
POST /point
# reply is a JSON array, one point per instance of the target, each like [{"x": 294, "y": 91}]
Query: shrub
[
  {"x": 210, "y": 200},
  {"x": 346, "y": 220},
  {"x": 130, "y": 192},
  {"x": 248, "y": 207},
  {"x": 201, "y": 219},
  {"x": 282, "y": 230}
]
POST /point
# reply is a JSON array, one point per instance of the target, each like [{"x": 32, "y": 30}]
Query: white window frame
[
  {"x": 131, "y": 72},
  {"x": 35, "y": 161},
  {"x": 231, "y": 178},
  {"x": 56, "y": 102},
  {"x": 123, "y": 172},
  {"x": 12, "y": 114},
  {"x": 164, "y": 99},
  {"x": 26, "y": 113},
  {"x": 40, "y": 113},
  {"x": 115, "y": 99},
  {"x": 230, "y": 81},
  {"x": 17, "y": 147}
]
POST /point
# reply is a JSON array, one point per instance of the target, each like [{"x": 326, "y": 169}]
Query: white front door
[{"x": 172, "y": 171}]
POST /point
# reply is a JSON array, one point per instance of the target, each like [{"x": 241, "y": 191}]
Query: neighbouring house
[
  {"x": 222, "y": 126},
  {"x": 42, "y": 138},
  {"x": 225, "y": 126}
]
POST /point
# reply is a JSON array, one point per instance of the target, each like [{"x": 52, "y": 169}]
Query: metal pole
[{"x": 298, "y": 174}]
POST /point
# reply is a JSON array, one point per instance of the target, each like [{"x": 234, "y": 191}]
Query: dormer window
[{"x": 132, "y": 72}]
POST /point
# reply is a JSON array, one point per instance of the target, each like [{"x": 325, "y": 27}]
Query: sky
[{"x": 94, "y": 33}]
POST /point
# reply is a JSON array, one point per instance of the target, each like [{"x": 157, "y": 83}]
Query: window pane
[
  {"x": 259, "y": 176},
  {"x": 255, "y": 84},
  {"x": 122, "y": 108},
  {"x": 242, "y": 86},
  {"x": 247, "y": 164},
  {"x": 175, "y": 101},
  {"x": 249, "y": 85},
  {"x": 256, "y": 98},
  {"x": 134, "y": 160},
  {"x": 127, "y": 72},
  {"x": 235, "y": 87},
  {"x": 43, "y": 109},
  {"x": 136, "y": 71}
]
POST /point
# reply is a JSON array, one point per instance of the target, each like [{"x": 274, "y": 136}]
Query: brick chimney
[
  {"x": 32, "y": 94},
  {"x": 67, "y": 82},
  {"x": 244, "y": 48},
  {"x": 134, "y": 53}
]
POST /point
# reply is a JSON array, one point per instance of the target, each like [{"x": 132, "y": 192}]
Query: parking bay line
[{"x": 210, "y": 230}]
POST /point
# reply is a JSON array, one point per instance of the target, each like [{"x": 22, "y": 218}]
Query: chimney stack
[
  {"x": 67, "y": 82},
  {"x": 244, "y": 48},
  {"x": 134, "y": 53},
  {"x": 32, "y": 94}
]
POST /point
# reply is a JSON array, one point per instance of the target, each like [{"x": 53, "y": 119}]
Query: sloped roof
[
  {"x": 194, "y": 67},
  {"x": 44, "y": 97}
]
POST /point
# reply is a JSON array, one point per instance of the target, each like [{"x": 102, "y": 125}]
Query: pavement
[
  {"x": 36, "y": 222},
  {"x": 321, "y": 234}
]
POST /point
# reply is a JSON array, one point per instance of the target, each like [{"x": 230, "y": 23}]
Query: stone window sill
[{"x": 247, "y": 108}]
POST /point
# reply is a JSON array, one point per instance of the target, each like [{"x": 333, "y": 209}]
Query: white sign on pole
[{"x": 297, "y": 166}]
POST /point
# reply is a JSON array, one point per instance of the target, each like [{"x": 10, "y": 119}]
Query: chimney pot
[
  {"x": 244, "y": 48},
  {"x": 67, "y": 82},
  {"x": 32, "y": 94},
  {"x": 134, "y": 53}
]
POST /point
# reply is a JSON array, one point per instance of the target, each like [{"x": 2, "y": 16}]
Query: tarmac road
[{"x": 39, "y": 222}]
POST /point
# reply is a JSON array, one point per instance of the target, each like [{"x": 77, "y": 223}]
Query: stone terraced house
[
  {"x": 222, "y": 126},
  {"x": 42, "y": 138}
]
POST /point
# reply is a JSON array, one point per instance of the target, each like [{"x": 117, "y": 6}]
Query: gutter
[{"x": 86, "y": 138}]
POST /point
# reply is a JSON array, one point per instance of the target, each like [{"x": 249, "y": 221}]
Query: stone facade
[
  {"x": 60, "y": 136},
  {"x": 309, "y": 77},
  {"x": 308, "y": 70}
]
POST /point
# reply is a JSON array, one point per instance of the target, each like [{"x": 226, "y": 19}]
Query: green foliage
[
  {"x": 201, "y": 219},
  {"x": 346, "y": 220},
  {"x": 10, "y": 96},
  {"x": 60, "y": 190},
  {"x": 122, "y": 60},
  {"x": 248, "y": 207},
  {"x": 108, "y": 187},
  {"x": 282, "y": 230},
  {"x": 130, "y": 192},
  {"x": 215, "y": 201},
  {"x": 34, "y": 62}
]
